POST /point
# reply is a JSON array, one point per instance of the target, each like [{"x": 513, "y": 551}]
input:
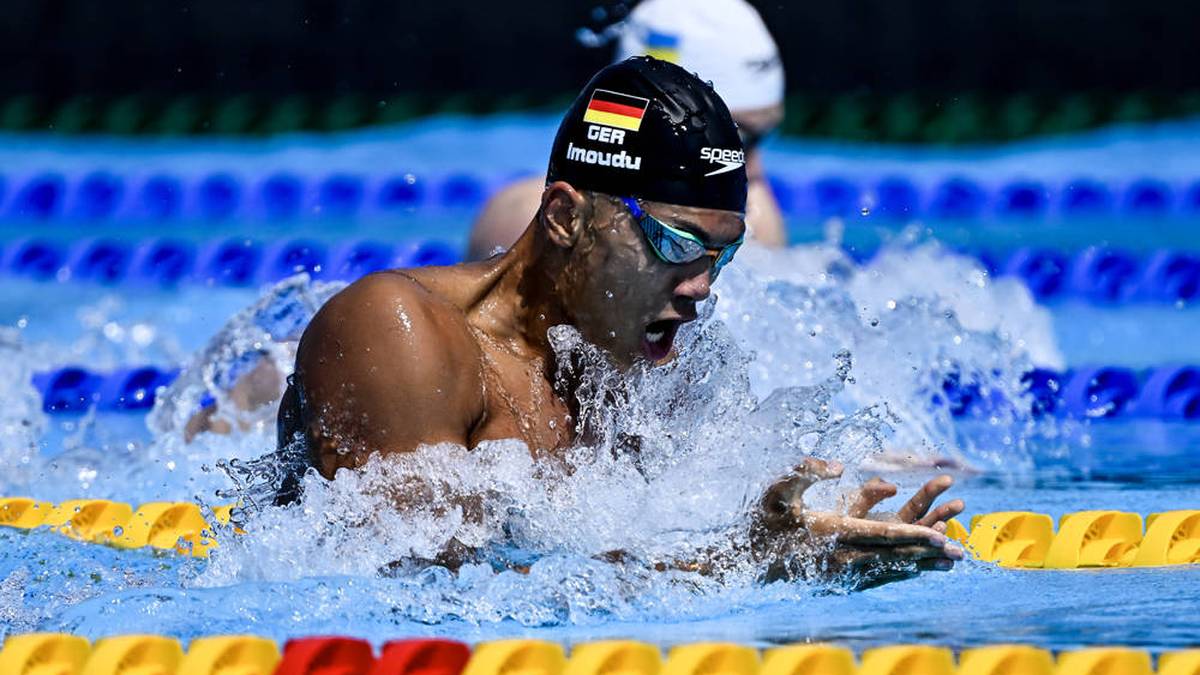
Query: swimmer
[
  {"x": 723, "y": 41},
  {"x": 643, "y": 209}
]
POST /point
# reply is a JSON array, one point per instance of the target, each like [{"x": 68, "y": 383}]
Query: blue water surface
[{"x": 48, "y": 582}]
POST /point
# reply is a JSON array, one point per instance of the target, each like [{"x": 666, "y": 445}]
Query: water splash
[
  {"x": 22, "y": 422},
  {"x": 671, "y": 459},
  {"x": 804, "y": 353},
  {"x": 915, "y": 317},
  {"x": 267, "y": 331}
]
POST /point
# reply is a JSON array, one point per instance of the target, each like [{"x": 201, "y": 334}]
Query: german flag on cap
[{"x": 614, "y": 109}]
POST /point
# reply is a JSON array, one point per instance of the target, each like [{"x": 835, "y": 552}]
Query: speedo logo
[
  {"x": 728, "y": 159},
  {"x": 620, "y": 160}
]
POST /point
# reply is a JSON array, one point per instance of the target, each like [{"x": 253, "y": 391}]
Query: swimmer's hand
[{"x": 854, "y": 547}]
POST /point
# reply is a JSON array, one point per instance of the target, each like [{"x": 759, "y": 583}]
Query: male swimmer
[
  {"x": 643, "y": 208},
  {"x": 724, "y": 42}
]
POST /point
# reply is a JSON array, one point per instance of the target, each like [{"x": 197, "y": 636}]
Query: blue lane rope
[
  {"x": 1100, "y": 275},
  {"x": 221, "y": 195},
  {"x": 1169, "y": 392},
  {"x": 233, "y": 261},
  {"x": 98, "y": 195}
]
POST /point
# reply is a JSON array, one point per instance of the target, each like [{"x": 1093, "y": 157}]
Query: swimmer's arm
[
  {"x": 253, "y": 390},
  {"x": 791, "y": 542},
  {"x": 853, "y": 544},
  {"x": 385, "y": 367}
]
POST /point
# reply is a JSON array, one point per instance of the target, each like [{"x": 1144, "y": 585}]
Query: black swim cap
[{"x": 648, "y": 128}]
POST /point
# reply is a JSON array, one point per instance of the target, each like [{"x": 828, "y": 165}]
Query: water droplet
[
  {"x": 865, "y": 211},
  {"x": 608, "y": 294},
  {"x": 118, "y": 531}
]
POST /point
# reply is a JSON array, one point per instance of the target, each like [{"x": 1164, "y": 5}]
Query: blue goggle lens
[
  {"x": 676, "y": 249},
  {"x": 675, "y": 246}
]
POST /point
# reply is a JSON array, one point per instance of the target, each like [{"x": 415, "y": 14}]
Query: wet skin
[{"x": 460, "y": 354}]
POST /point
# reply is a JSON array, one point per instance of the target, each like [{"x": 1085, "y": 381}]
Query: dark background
[{"x": 59, "y": 48}]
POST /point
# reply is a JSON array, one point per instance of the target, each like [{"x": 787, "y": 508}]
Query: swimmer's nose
[{"x": 698, "y": 284}]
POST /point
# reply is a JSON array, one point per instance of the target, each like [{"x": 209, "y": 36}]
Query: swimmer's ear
[{"x": 564, "y": 214}]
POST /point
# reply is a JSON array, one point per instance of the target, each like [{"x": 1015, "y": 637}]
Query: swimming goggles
[{"x": 676, "y": 246}]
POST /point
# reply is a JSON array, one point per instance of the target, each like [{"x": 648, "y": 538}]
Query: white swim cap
[{"x": 724, "y": 41}]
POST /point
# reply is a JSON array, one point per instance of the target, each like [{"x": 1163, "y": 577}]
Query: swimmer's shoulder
[
  {"x": 387, "y": 365},
  {"x": 414, "y": 288},
  {"x": 402, "y": 318}
]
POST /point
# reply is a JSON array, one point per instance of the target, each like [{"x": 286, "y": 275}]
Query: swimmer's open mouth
[{"x": 658, "y": 338}]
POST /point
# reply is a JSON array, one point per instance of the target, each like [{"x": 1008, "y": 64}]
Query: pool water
[
  {"x": 803, "y": 351},
  {"x": 106, "y": 592}
]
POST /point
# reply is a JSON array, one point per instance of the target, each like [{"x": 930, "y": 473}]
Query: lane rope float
[
  {"x": 65, "y": 654},
  {"x": 1016, "y": 539}
]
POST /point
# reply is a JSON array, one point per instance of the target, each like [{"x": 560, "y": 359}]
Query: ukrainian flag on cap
[
  {"x": 664, "y": 46},
  {"x": 725, "y": 42}
]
